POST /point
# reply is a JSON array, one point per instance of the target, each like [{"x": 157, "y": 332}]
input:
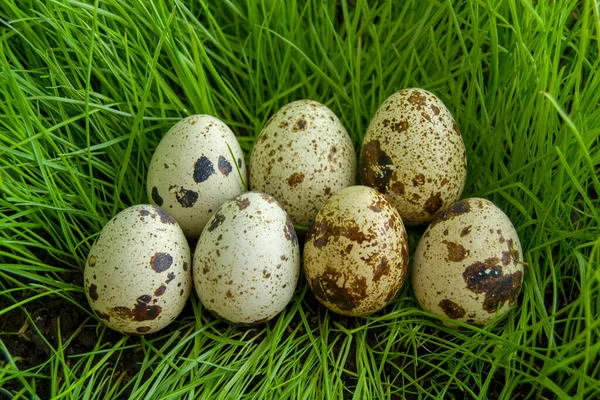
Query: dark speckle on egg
[
  {"x": 242, "y": 203},
  {"x": 161, "y": 261},
  {"x": 186, "y": 198},
  {"x": 203, "y": 169},
  {"x": 93, "y": 292},
  {"x": 451, "y": 309},
  {"x": 376, "y": 167},
  {"x": 170, "y": 277},
  {"x": 487, "y": 277},
  {"x": 156, "y": 198},
  {"x": 224, "y": 166},
  {"x": 140, "y": 312},
  {"x": 456, "y": 251},
  {"x": 160, "y": 291},
  {"x": 295, "y": 179},
  {"x": 433, "y": 204},
  {"x": 102, "y": 315},
  {"x": 217, "y": 220},
  {"x": 165, "y": 218}
]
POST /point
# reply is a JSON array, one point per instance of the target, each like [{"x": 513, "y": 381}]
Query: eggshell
[
  {"x": 137, "y": 276},
  {"x": 192, "y": 171},
  {"x": 468, "y": 264},
  {"x": 247, "y": 261},
  {"x": 356, "y": 252},
  {"x": 302, "y": 156},
  {"x": 414, "y": 153}
]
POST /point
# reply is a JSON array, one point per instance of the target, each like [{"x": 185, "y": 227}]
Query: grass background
[{"x": 87, "y": 89}]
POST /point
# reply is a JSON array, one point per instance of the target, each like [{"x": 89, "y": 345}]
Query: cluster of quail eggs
[{"x": 303, "y": 171}]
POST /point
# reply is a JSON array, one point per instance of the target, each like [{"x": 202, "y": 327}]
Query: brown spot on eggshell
[
  {"x": 398, "y": 187},
  {"x": 185, "y": 266},
  {"x": 228, "y": 294},
  {"x": 513, "y": 252},
  {"x": 165, "y": 218},
  {"x": 332, "y": 152},
  {"x": 170, "y": 277},
  {"x": 156, "y": 198},
  {"x": 295, "y": 179},
  {"x": 203, "y": 169},
  {"x": 143, "y": 329},
  {"x": 506, "y": 258},
  {"x": 452, "y": 309},
  {"x": 299, "y": 125},
  {"x": 321, "y": 231},
  {"x": 93, "y": 292},
  {"x": 217, "y": 220},
  {"x": 456, "y": 209},
  {"x": 102, "y": 315},
  {"x": 436, "y": 110},
  {"x": 92, "y": 261},
  {"x": 376, "y": 167},
  {"x": 465, "y": 231},
  {"x": 160, "y": 291},
  {"x": 242, "y": 203},
  {"x": 267, "y": 198},
  {"x": 289, "y": 231},
  {"x": 224, "y": 166},
  {"x": 433, "y": 203},
  {"x": 418, "y": 180},
  {"x": 266, "y": 274},
  {"x": 186, "y": 198},
  {"x": 378, "y": 205},
  {"x": 456, "y": 251},
  {"x": 455, "y": 127},
  {"x": 140, "y": 312},
  {"x": 346, "y": 297},
  {"x": 400, "y": 127},
  {"x": 488, "y": 277},
  {"x": 161, "y": 261},
  {"x": 417, "y": 99},
  {"x": 383, "y": 268}
]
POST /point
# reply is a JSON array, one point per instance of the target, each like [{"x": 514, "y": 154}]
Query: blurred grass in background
[{"x": 87, "y": 89}]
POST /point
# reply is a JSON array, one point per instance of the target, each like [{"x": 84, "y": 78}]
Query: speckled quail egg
[
  {"x": 468, "y": 264},
  {"x": 192, "y": 171},
  {"x": 413, "y": 152},
  {"x": 247, "y": 261},
  {"x": 356, "y": 252},
  {"x": 138, "y": 276},
  {"x": 302, "y": 156}
]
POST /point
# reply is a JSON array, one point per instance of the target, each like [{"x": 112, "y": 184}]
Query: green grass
[{"x": 87, "y": 89}]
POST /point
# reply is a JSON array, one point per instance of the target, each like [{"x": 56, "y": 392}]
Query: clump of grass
[{"x": 88, "y": 89}]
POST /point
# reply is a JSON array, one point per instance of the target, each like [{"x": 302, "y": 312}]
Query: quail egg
[
  {"x": 138, "y": 276},
  {"x": 356, "y": 252},
  {"x": 413, "y": 152},
  {"x": 247, "y": 261},
  {"x": 194, "y": 170},
  {"x": 468, "y": 265},
  {"x": 302, "y": 156}
]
